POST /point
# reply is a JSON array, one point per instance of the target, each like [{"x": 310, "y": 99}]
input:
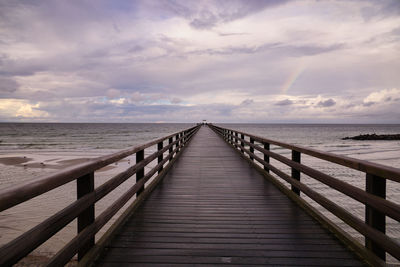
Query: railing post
[
  {"x": 177, "y": 143},
  {"x": 266, "y": 157},
  {"x": 296, "y": 157},
  {"x": 377, "y": 186},
  {"x": 140, "y": 172},
  {"x": 251, "y": 148},
  {"x": 241, "y": 142},
  {"x": 170, "y": 140},
  {"x": 85, "y": 185},
  {"x": 236, "y": 139},
  {"x": 160, "y": 157}
]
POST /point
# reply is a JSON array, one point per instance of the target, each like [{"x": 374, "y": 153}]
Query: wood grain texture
[
  {"x": 377, "y": 169},
  {"x": 213, "y": 208}
]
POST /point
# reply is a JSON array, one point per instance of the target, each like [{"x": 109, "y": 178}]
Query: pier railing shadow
[
  {"x": 168, "y": 149},
  {"x": 377, "y": 207}
]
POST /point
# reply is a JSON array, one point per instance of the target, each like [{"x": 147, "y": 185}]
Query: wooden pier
[
  {"x": 214, "y": 208},
  {"x": 213, "y": 201}
]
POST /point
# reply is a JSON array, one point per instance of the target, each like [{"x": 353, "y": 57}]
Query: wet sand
[
  {"x": 14, "y": 160},
  {"x": 55, "y": 163}
]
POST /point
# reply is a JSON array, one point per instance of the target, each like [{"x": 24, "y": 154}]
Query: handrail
[
  {"x": 83, "y": 207},
  {"x": 14, "y": 195},
  {"x": 353, "y": 163},
  {"x": 374, "y": 197}
]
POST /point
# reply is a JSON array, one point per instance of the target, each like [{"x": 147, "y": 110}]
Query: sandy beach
[{"x": 55, "y": 163}]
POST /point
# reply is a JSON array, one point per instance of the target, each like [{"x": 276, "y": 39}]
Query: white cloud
[
  {"x": 21, "y": 109},
  {"x": 386, "y": 95}
]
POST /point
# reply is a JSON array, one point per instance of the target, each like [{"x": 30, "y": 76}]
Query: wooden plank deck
[{"x": 214, "y": 208}]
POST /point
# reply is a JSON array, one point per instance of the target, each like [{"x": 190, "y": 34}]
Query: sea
[{"x": 33, "y": 150}]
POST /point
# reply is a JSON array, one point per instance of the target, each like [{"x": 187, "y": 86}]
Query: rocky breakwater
[{"x": 374, "y": 137}]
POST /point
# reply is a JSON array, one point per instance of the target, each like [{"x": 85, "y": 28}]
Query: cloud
[
  {"x": 381, "y": 9},
  {"x": 176, "y": 100},
  {"x": 231, "y": 33},
  {"x": 113, "y": 93},
  {"x": 208, "y": 14},
  {"x": 247, "y": 102},
  {"x": 7, "y": 86},
  {"x": 326, "y": 103},
  {"x": 142, "y": 60},
  {"x": 382, "y": 96},
  {"x": 285, "y": 102},
  {"x": 20, "y": 109},
  {"x": 273, "y": 48}
]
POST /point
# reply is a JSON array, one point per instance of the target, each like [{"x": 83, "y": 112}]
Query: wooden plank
[{"x": 213, "y": 207}]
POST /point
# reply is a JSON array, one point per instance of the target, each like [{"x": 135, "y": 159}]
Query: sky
[{"x": 245, "y": 61}]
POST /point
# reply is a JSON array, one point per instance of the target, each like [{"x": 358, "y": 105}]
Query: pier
[{"x": 212, "y": 198}]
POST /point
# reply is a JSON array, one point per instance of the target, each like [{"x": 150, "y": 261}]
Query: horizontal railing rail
[
  {"x": 377, "y": 207},
  {"x": 87, "y": 196}
]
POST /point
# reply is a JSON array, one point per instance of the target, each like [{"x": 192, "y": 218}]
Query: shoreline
[{"x": 52, "y": 163}]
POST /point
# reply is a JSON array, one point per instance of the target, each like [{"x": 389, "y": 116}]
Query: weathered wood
[
  {"x": 16, "y": 249},
  {"x": 160, "y": 157},
  {"x": 377, "y": 186},
  {"x": 140, "y": 172},
  {"x": 266, "y": 157},
  {"x": 14, "y": 195},
  {"x": 11, "y": 252},
  {"x": 383, "y": 240},
  {"x": 236, "y": 139},
  {"x": 295, "y": 173},
  {"x": 177, "y": 144},
  {"x": 373, "y": 203},
  {"x": 66, "y": 253},
  {"x": 242, "y": 143},
  {"x": 19, "y": 247},
  {"x": 213, "y": 204},
  {"x": 387, "y": 207},
  {"x": 85, "y": 185},
  {"x": 170, "y": 148},
  {"x": 353, "y": 163},
  {"x": 251, "y": 147}
]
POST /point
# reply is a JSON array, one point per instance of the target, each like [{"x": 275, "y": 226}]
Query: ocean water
[{"x": 29, "y": 150}]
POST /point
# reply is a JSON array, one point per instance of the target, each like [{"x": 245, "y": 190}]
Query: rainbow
[{"x": 293, "y": 77}]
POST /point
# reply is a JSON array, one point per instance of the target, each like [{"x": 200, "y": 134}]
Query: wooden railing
[
  {"x": 373, "y": 197},
  {"x": 87, "y": 196}
]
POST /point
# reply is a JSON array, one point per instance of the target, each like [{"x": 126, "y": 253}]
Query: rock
[{"x": 374, "y": 137}]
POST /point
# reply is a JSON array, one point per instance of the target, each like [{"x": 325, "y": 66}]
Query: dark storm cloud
[
  {"x": 247, "y": 102},
  {"x": 8, "y": 87},
  {"x": 276, "y": 48},
  {"x": 381, "y": 9},
  {"x": 326, "y": 103},
  {"x": 206, "y": 15},
  {"x": 286, "y": 102}
]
